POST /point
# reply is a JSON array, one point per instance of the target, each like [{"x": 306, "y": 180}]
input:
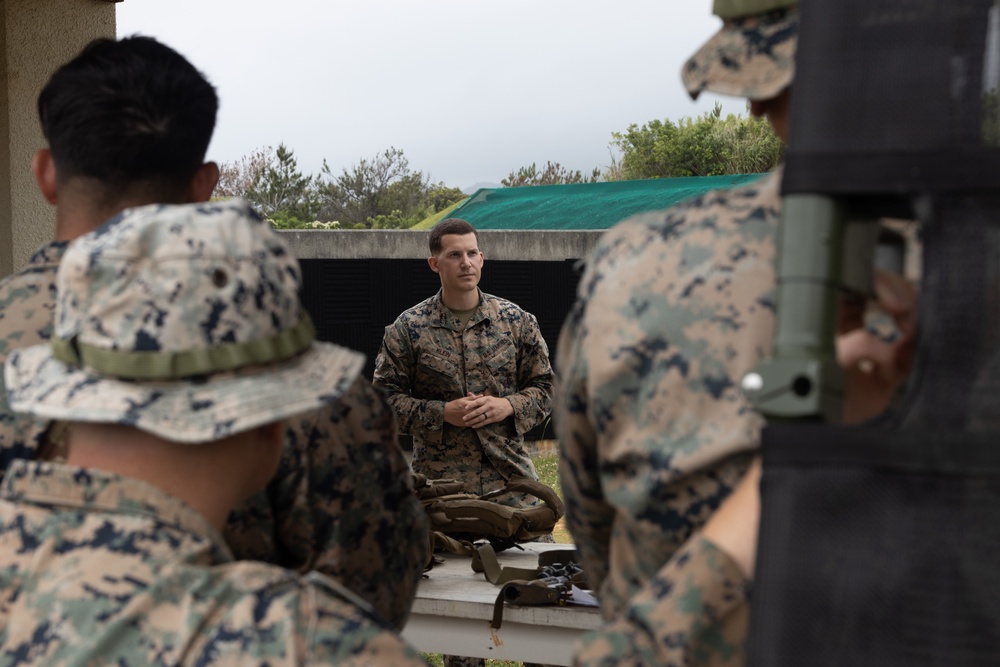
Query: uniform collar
[
  {"x": 73, "y": 487},
  {"x": 49, "y": 254},
  {"x": 449, "y": 320}
]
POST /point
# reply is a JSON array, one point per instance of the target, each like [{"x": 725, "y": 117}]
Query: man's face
[{"x": 460, "y": 263}]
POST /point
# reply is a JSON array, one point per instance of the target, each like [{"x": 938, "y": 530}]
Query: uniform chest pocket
[
  {"x": 434, "y": 364},
  {"x": 502, "y": 361}
]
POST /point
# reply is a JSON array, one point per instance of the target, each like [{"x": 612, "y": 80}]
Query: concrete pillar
[{"x": 36, "y": 36}]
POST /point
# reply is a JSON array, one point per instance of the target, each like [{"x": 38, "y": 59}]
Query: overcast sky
[{"x": 470, "y": 90}]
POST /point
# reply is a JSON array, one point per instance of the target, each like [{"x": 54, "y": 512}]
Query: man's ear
[
  {"x": 203, "y": 183},
  {"x": 44, "y": 169},
  {"x": 433, "y": 263}
]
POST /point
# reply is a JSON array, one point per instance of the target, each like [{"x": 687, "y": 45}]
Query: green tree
[
  {"x": 440, "y": 197},
  {"x": 280, "y": 188},
  {"x": 381, "y": 186},
  {"x": 382, "y": 192},
  {"x": 553, "y": 174},
  {"x": 284, "y": 220},
  {"x": 708, "y": 145},
  {"x": 394, "y": 220}
]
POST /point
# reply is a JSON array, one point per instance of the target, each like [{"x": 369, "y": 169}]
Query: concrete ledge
[{"x": 407, "y": 244}]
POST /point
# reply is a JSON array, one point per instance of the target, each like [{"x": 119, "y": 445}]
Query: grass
[
  {"x": 548, "y": 473},
  {"x": 547, "y": 466}
]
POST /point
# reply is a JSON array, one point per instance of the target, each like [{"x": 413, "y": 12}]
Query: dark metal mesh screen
[
  {"x": 896, "y": 96},
  {"x": 957, "y": 374},
  {"x": 877, "y": 544},
  {"x": 878, "y": 550}
]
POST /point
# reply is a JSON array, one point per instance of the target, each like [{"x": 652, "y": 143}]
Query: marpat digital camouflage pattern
[
  {"x": 427, "y": 359},
  {"x": 99, "y": 569},
  {"x": 342, "y": 501},
  {"x": 752, "y": 56},
  {"x": 673, "y": 309},
  {"x": 695, "y": 611},
  {"x": 27, "y": 300}
]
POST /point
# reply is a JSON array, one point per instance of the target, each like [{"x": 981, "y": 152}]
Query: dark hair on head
[
  {"x": 449, "y": 226},
  {"x": 127, "y": 113}
]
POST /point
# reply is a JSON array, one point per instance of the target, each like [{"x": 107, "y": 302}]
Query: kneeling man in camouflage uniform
[{"x": 179, "y": 349}]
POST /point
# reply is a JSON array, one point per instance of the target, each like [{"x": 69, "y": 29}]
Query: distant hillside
[{"x": 478, "y": 186}]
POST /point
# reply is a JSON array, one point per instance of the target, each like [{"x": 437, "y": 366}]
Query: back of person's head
[
  {"x": 449, "y": 226},
  {"x": 752, "y": 56},
  {"x": 131, "y": 113}
]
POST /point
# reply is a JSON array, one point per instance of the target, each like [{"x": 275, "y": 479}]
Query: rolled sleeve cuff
[
  {"x": 432, "y": 421},
  {"x": 695, "y": 611}
]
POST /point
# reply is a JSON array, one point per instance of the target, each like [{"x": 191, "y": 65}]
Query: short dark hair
[
  {"x": 449, "y": 226},
  {"x": 129, "y": 112}
]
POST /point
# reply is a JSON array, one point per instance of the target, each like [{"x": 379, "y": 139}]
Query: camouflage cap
[
  {"x": 752, "y": 56},
  {"x": 183, "y": 321}
]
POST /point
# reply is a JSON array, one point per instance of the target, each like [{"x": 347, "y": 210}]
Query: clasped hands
[{"x": 477, "y": 410}]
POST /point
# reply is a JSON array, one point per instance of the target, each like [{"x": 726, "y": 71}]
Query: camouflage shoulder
[
  {"x": 741, "y": 207},
  {"x": 27, "y": 301},
  {"x": 427, "y": 309},
  {"x": 48, "y": 255},
  {"x": 349, "y": 631},
  {"x": 269, "y": 610},
  {"x": 505, "y": 308}
]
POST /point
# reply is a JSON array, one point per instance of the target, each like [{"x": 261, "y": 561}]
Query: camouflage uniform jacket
[
  {"x": 673, "y": 309},
  {"x": 695, "y": 611},
  {"x": 341, "y": 503},
  {"x": 27, "y": 302},
  {"x": 427, "y": 359},
  {"x": 96, "y": 568}
]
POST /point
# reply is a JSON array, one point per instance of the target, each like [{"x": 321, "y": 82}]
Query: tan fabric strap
[{"x": 156, "y": 365}]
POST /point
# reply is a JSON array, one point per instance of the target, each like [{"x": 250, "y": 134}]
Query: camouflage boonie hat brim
[
  {"x": 182, "y": 412},
  {"x": 751, "y": 57},
  {"x": 182, "y": 321}
]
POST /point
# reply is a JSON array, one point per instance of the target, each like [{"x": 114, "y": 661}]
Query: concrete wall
[
  {"x": 406, "y": 244},
  {"x": 36, "y": 36}
]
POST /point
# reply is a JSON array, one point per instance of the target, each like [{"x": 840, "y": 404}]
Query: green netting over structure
[{"x": 583, "y": 205}]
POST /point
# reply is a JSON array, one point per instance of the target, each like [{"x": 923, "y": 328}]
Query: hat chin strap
[
  {"x": 161, "y": 365},
  {"x": 734, "y": 9}
]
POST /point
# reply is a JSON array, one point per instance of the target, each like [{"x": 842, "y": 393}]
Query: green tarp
[{"x": 583, "y": 205}]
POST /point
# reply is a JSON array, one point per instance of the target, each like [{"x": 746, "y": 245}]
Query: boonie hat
[
  {"x": 182, "y": 321},
  {"x": 752, "y": 56}
]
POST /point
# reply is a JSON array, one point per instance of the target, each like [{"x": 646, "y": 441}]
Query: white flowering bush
[{"x": 290, "y": 222}]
